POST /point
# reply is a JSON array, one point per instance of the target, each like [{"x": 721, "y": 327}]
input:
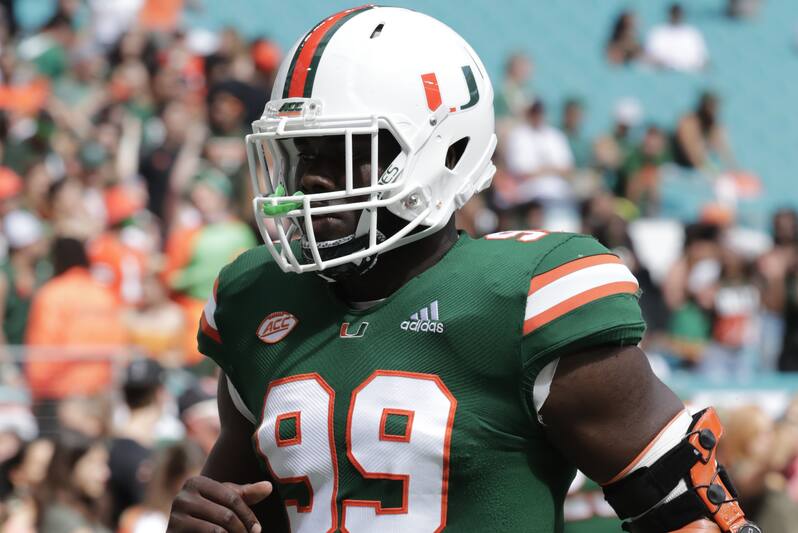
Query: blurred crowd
[
  {"x": 112, "y": 463},
  {"x": 720, "y": 298},
  {"x": 124, "y": 189},
  {"x": 122, "y": 194},
  {"x": 723, "y": 303}
]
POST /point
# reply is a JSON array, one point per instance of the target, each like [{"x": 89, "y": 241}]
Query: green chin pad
[{"x": 276, "y": 210}]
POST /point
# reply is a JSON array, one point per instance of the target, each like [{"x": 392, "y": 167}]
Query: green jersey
[{"x": 417, "y": 414}]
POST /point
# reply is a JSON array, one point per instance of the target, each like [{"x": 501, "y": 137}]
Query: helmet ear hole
[
  {"x": 455, "y": 152},
  {"x": 389, "y": 148}
]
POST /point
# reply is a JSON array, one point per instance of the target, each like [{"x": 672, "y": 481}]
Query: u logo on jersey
[{"x": 346, "y": 334}]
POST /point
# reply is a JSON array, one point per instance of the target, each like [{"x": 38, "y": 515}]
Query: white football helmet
[{"x": 358, "y": 72}]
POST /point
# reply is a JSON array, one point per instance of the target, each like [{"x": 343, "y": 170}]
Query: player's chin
[{"x": 333, "y": 226}]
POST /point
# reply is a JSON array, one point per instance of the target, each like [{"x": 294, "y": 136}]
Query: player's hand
[{"x": 204, "y": 505}]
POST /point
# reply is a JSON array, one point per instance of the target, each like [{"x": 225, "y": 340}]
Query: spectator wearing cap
[
  {"x": 611, "y": 149},
  {"x": 677, "y": 45},
  {"x": 701, "y": 141},
  {"x": 195, "y": 253},
  {"x": 199, "y": 412},
  {"x": 119, "y": 255},
  {"x": 75, "y": 311},
  {"x": 133, "y": 444},
  {"x": 22, "y": 274}
]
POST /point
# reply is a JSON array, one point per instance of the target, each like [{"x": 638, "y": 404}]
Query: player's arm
[
  {"x": 602, "y": 406},
  {"x": 231, "y": 493},
  {"x": 609, "y": 414}
]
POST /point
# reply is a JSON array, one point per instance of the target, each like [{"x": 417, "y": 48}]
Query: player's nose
[{"x": 316, "y": 182}]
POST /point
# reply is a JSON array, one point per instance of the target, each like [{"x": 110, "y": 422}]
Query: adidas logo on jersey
[{"x": 425, "y": 319}]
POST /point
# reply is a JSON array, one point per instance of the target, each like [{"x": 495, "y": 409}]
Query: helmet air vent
[{"x": 377, "y": 31}]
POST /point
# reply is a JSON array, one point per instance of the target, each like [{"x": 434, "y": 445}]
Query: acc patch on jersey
[{"x": 276, "y": 326}]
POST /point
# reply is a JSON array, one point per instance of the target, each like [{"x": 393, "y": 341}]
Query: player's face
[{"x": 320, "y": 166}]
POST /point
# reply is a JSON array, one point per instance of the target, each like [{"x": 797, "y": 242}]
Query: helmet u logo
[{"x": 433, "y": 92}]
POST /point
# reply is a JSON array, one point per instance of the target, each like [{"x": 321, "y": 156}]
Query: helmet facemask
[
  {"x": 318, "y": 165},
  {"x": 327, "y": 190}
]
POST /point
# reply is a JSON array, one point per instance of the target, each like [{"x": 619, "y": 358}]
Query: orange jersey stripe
[
  {"x": 563, "y": 270},
  {"x": 579, "y": 300}
]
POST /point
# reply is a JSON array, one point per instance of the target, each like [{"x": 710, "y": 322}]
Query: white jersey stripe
[
  {"x": 573, "y": 284},
  {"x": 210, "y": 309},
  {"x": 239, "y": 402}
]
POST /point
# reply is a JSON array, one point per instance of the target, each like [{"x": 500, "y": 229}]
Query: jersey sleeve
[
  {"x": 580, "y": 296},
  {"x": 209, "y": 342}
]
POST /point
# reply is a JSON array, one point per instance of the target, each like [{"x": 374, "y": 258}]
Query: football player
[{"x": 386, "y": 373}]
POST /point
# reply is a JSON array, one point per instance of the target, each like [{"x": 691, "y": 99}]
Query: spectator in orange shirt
[
  {"x": 119, "y": 255},
  {"x": 78, "y": 314}
]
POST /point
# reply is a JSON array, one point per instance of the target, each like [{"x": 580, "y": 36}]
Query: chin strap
[
  {"x": 638, "y": 498},
  {"x": 350, "y": 244}
]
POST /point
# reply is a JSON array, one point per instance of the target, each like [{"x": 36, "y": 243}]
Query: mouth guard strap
[{"x": 284, "y": 206}]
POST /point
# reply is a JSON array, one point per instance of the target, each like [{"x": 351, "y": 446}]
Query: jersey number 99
[{"x": 418, "y": 457}]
